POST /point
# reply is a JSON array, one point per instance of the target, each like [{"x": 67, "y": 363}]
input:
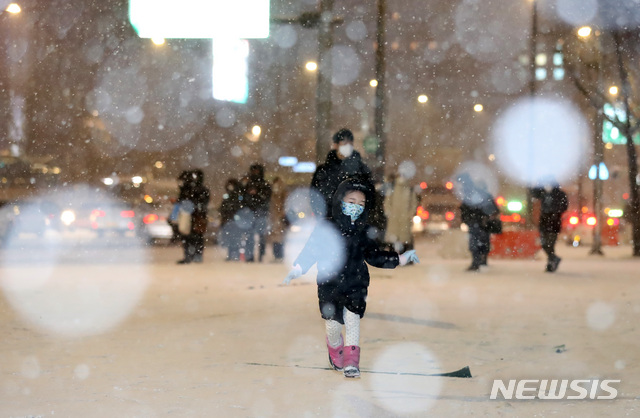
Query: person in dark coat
[
  {"x": 343, "y": 276},
  {"x": 477, "y": 211},
  {"x": 257, "y": 197},
  {"x": 554, "y": 203},
  {"x": 230, "y": 232},
  {"x": 342, "y": 162},
  {"x": 195, "y": 196}
]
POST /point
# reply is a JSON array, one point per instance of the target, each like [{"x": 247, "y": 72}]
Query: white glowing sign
[
  {"x": 200, "y": 18},
  {"x": 229, "y": 74}
]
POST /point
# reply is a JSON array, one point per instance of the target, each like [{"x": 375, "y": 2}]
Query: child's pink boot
[
  {"x": 335, "y": 355},
  {"x": 352, "y": 361}
]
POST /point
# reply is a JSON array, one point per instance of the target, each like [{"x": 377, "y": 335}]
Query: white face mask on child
[{"x": 345, "y": 150}]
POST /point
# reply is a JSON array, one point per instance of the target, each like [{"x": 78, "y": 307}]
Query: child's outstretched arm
[
  {"x": 409, "y": 256},
  {"x": 294, "y": 273}
]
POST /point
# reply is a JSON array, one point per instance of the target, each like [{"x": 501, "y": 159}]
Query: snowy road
[{"x": 124, "y": 332}]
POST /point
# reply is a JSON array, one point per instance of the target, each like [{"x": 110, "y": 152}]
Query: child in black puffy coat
[{"x": 343, "y": 276}]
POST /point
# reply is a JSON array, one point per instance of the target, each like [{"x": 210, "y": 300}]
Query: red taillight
[
  {"x": 150, "y": 218},
  {"x": 97, "y": 213},
  {"x": 613, "y": 221},
  {"x": 449, "y": 216},
  {"x": 591, "y": 221},
  {"x": 131, "y": 226},
  {"x": 127, "y": 214},
  {"x": 423, "y": 214},
  {"x": 574, "y": 220}
]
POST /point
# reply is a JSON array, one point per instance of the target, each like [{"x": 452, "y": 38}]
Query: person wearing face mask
[
  {"x": 553, "y": 203},
  {"x": 343, "y": 276},
  {"x": 342, "y": 162}
]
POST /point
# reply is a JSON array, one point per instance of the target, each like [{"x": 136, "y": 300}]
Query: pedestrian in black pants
[
  {"x": 481, "y": 214},
  {"x": 195, "y": 196},
  {"x": 554, "y": 203}
]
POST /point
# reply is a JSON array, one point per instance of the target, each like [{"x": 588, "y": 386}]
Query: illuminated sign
[
  {"x": 610, "y": 133},
  {"x": 205, "y": 19},
  {"x": 229, "y": 76}
]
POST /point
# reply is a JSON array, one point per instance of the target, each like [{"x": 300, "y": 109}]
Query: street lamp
[
  {"x": 311, "y": 66},
  {"x": 478, "y": 108},
  {"x": 158, "y": 41},
  {"x": 584, "y": 32},
  {"x": 613, "y": 90},
  {"x": 423, "y": 98},
  {"x": 13, "y": 8}
]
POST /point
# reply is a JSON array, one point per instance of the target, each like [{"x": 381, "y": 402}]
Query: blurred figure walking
[
  {"x": 481, "y": 214},
  {"x": 193, "y": 200},
  {"x": 400, "y": 205},
  {"x": 554, "y": 203},
  {"x": 278, "y": 224},
  {"x": 257, "y": 196},
  {"x": 230, "y": 232}
]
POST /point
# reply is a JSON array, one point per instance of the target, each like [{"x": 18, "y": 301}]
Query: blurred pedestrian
[
  {"x": 193, "y": 199},
  {"x": 278, "y": 224},
  {"x": 554, "y": 203},
  {"x": 230, "y": 232},
  {"x": 481, "y": 214},
  {"x": 342, "y": 162},
  {"x": 400, "y": 204},
  {"x": 343, "y": 276},
  {"x": 257, "y": 197}
]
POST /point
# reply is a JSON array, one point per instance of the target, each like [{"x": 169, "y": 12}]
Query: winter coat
[
  {"x": 329, "y": 175},
  {"x": 194, "y": 190},
  {"x": 343, "y": 265},
  {"x": 257, "y": 194},
  {"x": 553, "y": 204},
  {"x": 477, "y": 208},
  {"x": 277, "y": 213},
  {"x": 400, "y": 206},
  {"x": 231, "y": 201}
]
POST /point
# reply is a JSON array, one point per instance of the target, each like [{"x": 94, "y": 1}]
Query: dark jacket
[
  {"x": 257, "y": 193},
  {"x": 342, "y": 249},
  {"x": 329, "y": 175},
  {"x": 553, "y": 204},
  {"x": 231, "y": 201},
  {"x": 477, "y": 208},
  {"x": 194, "y": 190}
]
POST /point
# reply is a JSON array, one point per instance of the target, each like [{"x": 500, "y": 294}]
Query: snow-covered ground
[{"x": 125, "y": 332}]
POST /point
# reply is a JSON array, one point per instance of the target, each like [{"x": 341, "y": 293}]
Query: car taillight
[
  {"x": 423, "y": 214},
  {"x": 150, "y": 218},
  {"x": 591, "y": 221},
  {"x": 574, "y": 220},
  {"x": 131, "y": 226},
  {"x": 97, "y": 213},
  {"x": 449, "y": 216},
  {"x": 127, "y": 214}
]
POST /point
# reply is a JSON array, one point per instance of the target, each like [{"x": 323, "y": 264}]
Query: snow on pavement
[{"x": 135, "y": 335}]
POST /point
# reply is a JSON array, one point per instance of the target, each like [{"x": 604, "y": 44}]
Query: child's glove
[
  {"x": 295, "y": 272},
  {"x": 409, "y": 256}
]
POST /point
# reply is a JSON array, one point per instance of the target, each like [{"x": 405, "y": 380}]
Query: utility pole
[
  {"x": 532, "y": 93},
  {"x": 380, "y": 104},
  {"x": 323, "y": 89}
]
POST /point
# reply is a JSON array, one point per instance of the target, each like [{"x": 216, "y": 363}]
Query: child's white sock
[
  {"x": 334, "y": 328},
  {"x": 352, "y": 326}
]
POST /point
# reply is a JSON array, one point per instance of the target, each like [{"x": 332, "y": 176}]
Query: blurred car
[
  {"x": 155, "y": 227},
  {"x": 32, "y": 217},
  {"x": 577, "y": 228},
  {"x": 435, "y": 219},
  {"x": 107, "y": 217}
]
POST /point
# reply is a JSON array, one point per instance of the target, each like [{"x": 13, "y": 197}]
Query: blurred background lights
[
  {"x": 423, "y": 98},
  {"x": 373, "y": 83},
  {"x": 311, "y": 66},
  {"x": 256, "y": 130},
  {"x": 229, "y": 73},
  {"x": 478, "y": 108},
  {"x": 13, "y": 8},
  {"x": 613, "y": 90},
  {"x": 584, "y": 32},
  {"x": 158, "y": 41}
]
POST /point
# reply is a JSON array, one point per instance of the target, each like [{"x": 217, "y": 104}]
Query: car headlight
[{"x": 68, "y": 217}]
